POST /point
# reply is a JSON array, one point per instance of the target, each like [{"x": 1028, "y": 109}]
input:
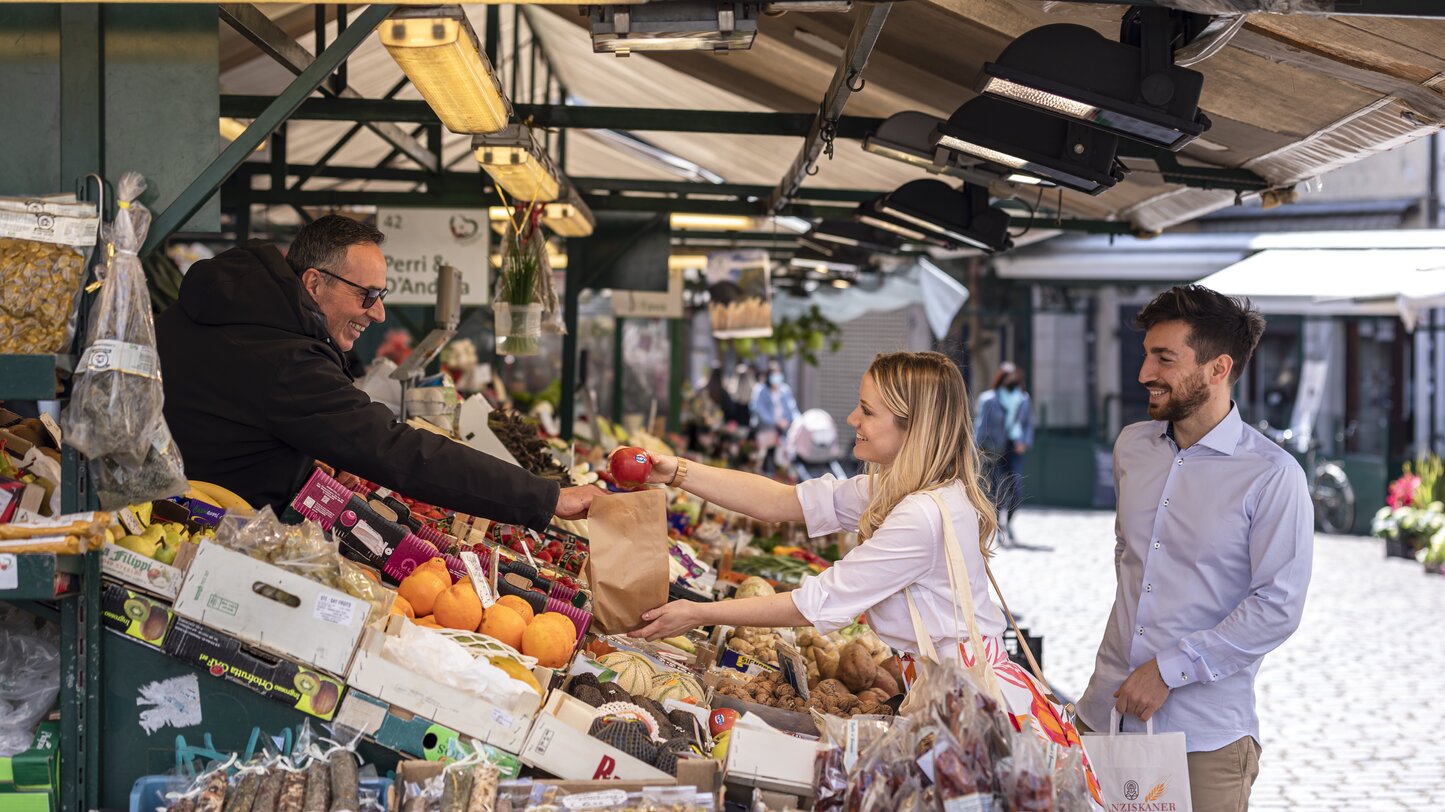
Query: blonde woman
[{"x": 915, "y": 433}]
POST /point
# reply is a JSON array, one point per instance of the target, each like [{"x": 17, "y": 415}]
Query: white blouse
[{"x": 906, "y": 550}]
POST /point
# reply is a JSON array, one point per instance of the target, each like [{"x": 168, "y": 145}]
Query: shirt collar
[{"x": 1223, "y": 438}]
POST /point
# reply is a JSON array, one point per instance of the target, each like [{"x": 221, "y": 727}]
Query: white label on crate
[
  {"x": 360, "y": 714},
  {"x": 9, "y": 571},
  {"x": 128, "y": 518},
  {"x": 119, "y": 356},
  {"x": 502, "y": 718},
  {"x": 334, "y": 610},
  {"x": 607, "y": 798},
  {"x": 479, "y": 578},
  {"x": 51, "y": 427}
]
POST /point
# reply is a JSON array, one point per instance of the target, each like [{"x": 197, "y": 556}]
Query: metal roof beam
[
  {"x": 866, "y": 30},
  {"x": 1333, "y": 8},
  {"x": 254, "y": 25}
]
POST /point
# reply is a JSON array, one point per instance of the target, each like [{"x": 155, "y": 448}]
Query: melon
[
  {"x": 753, "y": 587},
  {"x": 634, "y": 672},
  {"x": 681, "y": 687}
]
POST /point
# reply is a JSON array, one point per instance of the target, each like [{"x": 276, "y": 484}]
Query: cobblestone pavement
[{"x": 1352, "y": 707}]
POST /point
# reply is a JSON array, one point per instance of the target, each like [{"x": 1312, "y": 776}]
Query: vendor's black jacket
[{"x": 256, "y": 392}]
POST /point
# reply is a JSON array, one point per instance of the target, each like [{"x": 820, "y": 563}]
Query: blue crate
[{"x": 149, "y": 791}]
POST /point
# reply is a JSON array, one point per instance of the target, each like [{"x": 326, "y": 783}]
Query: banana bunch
[{"x": 213, "y": 494}]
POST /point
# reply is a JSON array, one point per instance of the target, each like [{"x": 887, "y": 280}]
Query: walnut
[{"x": 832, "y": 686}]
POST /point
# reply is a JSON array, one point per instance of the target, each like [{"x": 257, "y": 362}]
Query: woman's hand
[
  {"x": 670, "y": 620},
  {"x": 664, "y": 468}
]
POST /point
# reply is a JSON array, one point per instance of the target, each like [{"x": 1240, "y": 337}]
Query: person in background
[
  {"x": 774, "y": 410},
  {"x": 1214, "y": 544},
  {"x": 1005, "y": 433},
  {"x": 257, "y": 388}
]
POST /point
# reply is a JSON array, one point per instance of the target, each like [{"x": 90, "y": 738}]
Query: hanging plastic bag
[
  {"x": 160, "y": 476},
  {"x": 115, "y": 405},
  {"x": 29, "y": 679},
  {"x": 44, "y": 249}
]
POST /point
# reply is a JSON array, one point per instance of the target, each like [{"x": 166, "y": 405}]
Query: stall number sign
[{"x": 420, "y": 241}]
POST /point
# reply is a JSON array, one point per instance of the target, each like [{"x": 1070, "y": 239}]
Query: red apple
[
  {"x": 630, "y": 466},
  {"x": 721, "y": 720}
]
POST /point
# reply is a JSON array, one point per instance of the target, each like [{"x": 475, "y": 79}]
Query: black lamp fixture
[
  {"x": 680, "y": 25},
  {"x": 1060, "y": 150},
  {"x": 1131, "y": 88},
  {"x": 905, "y": 137},
  {"x": 958, "y": 217},
  {"x": 844, "y": 236}
]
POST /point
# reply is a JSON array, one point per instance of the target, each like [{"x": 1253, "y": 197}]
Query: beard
[{"x": 1181, "y": 403}]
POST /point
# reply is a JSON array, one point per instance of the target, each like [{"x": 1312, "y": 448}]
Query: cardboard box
[
  {"x": 224, "y": 656},
  {"x": 412, "y": 735},
  {"x": 784, "y": 720},
  {"x": 271, "y": 608},
  {"x": 162, "y": 580},
  {"x": 37, "y": 768},
  {"x": 134, "y": 615},
  {"x": 365, "y": 535},
  {"x": 770, "y": 760},
  {"x": 560, "y": 749},
  {"x": 502, "y": 726}
]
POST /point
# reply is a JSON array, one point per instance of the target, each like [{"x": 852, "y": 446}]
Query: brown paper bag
[{"x": 627, "y": 567}]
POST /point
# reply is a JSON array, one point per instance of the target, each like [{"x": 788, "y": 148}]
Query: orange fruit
[
  {"x": 549, "y": 642},
  {"x": 401, "y": 606},
  {"x": 517, "y": 604},
  {"x": 421, "y": 589},
  {"x": 562, "y": 622},
  {"x": 458, "y": 607},
  {"x": 503, "y": 623},
  {"x": 428, "y": 621}
]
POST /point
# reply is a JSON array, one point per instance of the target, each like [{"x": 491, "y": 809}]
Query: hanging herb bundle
[{"x": 524, "y": 294}]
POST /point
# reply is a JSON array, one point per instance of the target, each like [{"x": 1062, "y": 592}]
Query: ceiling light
[
  {"x": 961, "y": 216},
  {"x": 518, "y": 165},
  {"x": 556, "y": 260},
  {"x": 679, "y": 25},
  {"x": 854, "y": 235},
  {"x": 686, "y": 262},
  {"x": 570, "y": 216},
  {"x": 906, "y": 137},
  {"x": 712, "y": 222},
  {"x": 1132, "y": 90},
  {"x": 1056, "y": 149},
  {"x": 231, "y": 129},
  {"x": 871, "y": 218},
  {"x": 842, "y": 284},
  {"x": 438, "y": 51}
]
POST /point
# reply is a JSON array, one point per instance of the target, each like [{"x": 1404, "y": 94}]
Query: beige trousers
[{"x": 1219, "y": 780}]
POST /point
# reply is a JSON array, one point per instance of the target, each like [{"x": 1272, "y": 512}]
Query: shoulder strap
[
  {"x": 1023, "y": 642},
  {"x": 962, "y": 591}
]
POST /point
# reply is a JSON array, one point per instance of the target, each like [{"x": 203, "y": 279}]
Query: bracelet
[{"x": 680, "y": 474}]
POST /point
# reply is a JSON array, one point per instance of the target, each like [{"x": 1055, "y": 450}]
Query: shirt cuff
[
  {"x": 819, "y": 514},
  {"x": 1177, "y": 668},
  {"x": 809, "y": 599}
]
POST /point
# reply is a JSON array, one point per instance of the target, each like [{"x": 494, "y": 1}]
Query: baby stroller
[{"x": 813, "y": 438}]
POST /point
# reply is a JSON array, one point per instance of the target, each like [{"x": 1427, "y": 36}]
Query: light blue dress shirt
[{"x": 1213, "y": 557}]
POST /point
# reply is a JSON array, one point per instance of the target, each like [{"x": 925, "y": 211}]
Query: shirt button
[
  {"x": 1166, "y": 503},
  {"x": 1141, "y": 629},
  {"x": 1183, "y": 675},
  {"x": 1148, "y": 587},
  {"x": 1156, "y": 545},
  {"x": 1179, "y": 461}
]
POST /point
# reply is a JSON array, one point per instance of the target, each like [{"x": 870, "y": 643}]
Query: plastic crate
[
  {"x": 149, "y": 791},
  {"x": 1015, "y": 651}
]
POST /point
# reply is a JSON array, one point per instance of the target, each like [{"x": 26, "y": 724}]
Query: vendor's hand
[
  {"x": 1020, "y": 448},
  {"x": 348, "y": 481},
  {"x": 664, "y": 468},
  {"x": 670, "y": 620},
  {"x": 1143, "y": 692},
  {"x": 573, "y": 503}
]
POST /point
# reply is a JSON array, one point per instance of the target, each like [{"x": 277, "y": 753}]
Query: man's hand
[
  {"x": 573, "y": 503},
  {"x": 1143, "y": 692},
  {"x": 670, "y": 620}
]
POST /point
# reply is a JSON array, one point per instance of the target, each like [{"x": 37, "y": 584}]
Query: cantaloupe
[
  {"x": 634, "y": 672},
  {"x": 681, "y": 687}
]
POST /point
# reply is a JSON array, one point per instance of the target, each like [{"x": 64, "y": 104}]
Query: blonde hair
[{"x": 929, "y": 402}]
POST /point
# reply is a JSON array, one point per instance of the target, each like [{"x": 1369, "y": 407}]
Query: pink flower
[{"x": 1402, "y": 491}]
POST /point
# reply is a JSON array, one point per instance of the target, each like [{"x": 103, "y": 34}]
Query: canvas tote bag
[{"x": 1146, "y": 771}]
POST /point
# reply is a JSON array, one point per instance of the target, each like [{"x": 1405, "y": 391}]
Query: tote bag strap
[{"x": 1023, "y": 641}]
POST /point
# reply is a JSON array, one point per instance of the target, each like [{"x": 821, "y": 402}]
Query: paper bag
[
  {"x": 628, "y": 565},
  {"x": 1140, "y": 770}
]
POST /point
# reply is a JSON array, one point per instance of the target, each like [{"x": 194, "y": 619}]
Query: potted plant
[{"x": 517, "y": 307}]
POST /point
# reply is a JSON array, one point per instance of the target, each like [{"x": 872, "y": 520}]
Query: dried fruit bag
[
  {"x": 44, "y": 247},
  {"x": 115, "y": 406}
]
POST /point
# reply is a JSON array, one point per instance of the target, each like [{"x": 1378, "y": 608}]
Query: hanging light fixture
[
  {"x": 712, "y": 222},
  {"x": 1130, "y": 88},
  {"x": 437, "y": 49},
  {"x": 1059, "y": 150},
  {"x": 959, "y": 216},
  {"x": 518, "y": 165},
  {"x": 905, "y": 137},
  {"x": 830, "y": 235},
  {"x": 677, "y": 25},
  {"x": 569, "y": 216}
]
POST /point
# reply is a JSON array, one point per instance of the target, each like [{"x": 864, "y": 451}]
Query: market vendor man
[{"x": 257, "y": 391}]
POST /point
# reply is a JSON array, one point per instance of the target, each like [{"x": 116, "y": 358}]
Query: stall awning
[{"x": 1339, "y": 281}]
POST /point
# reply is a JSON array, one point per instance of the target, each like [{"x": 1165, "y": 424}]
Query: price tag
[
  {"x": 605, "y": 799},
  {"x": 9, "y": 571},
  {"x": 502, "y": 718},
  {"x": 794, "y": 667},
  {"x": 479, "y": 578},
  {"x": 850, "y": 750},
  {"x": 51, "y": 428},
  {"x": 128, "y": 519}
]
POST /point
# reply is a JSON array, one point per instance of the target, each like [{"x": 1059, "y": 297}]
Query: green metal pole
[
  {"x": 195, "y": 196},
  {"x": 570, "y": 301},
  {"x": 677, "y": 373},
  {"x": 619, "y": 327}
]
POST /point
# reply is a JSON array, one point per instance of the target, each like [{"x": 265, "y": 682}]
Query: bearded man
[{"x": 1214, "y": 541}]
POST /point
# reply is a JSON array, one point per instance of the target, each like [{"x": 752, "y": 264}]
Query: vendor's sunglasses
[{"x": 369, "y": 296}]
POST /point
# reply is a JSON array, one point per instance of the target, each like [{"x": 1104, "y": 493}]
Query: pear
[
  {"x": 139, "y": 545},
  {"x": 166, "y": 553},
  {"x": 154, "y": 534}
]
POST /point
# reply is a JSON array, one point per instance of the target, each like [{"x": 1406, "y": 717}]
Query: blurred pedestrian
[{"x": 1005, "y": 434}]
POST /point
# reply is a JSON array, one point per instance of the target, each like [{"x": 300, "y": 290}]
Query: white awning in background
[{"x": 1341, "y": 281}]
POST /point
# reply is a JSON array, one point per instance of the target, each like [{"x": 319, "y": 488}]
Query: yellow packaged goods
[
  {"x": 88, "y": 525},
  {"x": 61, "y": 545},
  {"x": 43, "y": 252}
]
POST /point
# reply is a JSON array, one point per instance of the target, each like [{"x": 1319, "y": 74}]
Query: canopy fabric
[{"x": 1339, "y": 282}]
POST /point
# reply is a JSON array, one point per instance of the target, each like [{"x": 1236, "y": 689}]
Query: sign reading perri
[{"x": 420, "y": 241}]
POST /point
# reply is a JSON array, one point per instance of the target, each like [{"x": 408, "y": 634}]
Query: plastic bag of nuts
[{"x": 44, "y": 248}]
